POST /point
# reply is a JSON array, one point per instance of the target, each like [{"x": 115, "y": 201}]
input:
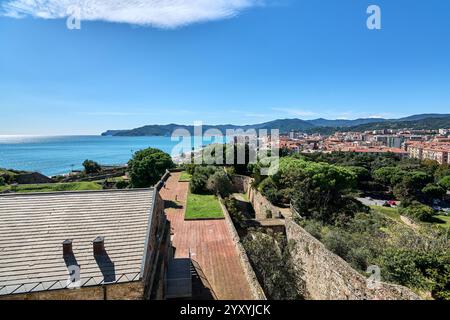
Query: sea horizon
[{"x": 54, "y": 155}]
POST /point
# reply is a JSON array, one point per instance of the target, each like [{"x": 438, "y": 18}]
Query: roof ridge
[{"x": 74, "y": 192}]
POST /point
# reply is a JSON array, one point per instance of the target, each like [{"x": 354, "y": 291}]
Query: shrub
[
  {"x": 198, "y": 183},
  {"x": 270, "y": 256},
  {"x": 269, "y": 189},
  {"x": 2, "y": 181},
  {"x": 190, "y": 168},
  {"x": 219, "y": 183},
  {"x": 338, "y": 242},
  {"x": 199, "y": 180},
  {"x": 230, "y": 171},
  {"x": 313, "y": 227},
  {"x": 283, "y": 196},
  {"x": 235, "y": 214},
  {"x": 91, "y": 167},
  {"x": 122, "y": 184},
  {"x": 359, "y": 257},
  {"x": 441, "y": 290},
  {"x": 418, "y": 211},
  {"x": 399, "y": 266}
]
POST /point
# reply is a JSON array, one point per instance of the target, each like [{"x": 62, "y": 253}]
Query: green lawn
[
  {"x": 185, "y": 177},
  {"x": 4, "y": 171},
  {"x": 201, "y": 206},
  {"x": 113, "y": 179},
  {"x": 390, "y": 212},
  {"x": 444, "y": 220},
  {"x": 52, "y": 187},
  {"x": 10, "y": 171},
  {"x": 441, "y": 220},
  {"x": 241, "y": 197},
  {"x": 245, "y": 197}
]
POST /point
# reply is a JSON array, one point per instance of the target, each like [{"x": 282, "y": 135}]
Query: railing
[
  {"x": 180, "y": 286},
  {"x": 25, "y": 288},
  {"x": 163, "y": 180},
  {"x": 295, "y": 211},
  {"x": 202, "y": 276}
]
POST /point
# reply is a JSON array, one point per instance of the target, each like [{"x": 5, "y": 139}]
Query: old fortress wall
[
  {"x": 327, "y": 276},
  {"x": 257, "y": 291}
]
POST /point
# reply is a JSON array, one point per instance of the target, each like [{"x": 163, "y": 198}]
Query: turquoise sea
[{"x": 60, "y": 154}]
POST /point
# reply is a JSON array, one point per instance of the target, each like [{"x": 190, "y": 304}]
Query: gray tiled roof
[{"x": 33, "y": 227}]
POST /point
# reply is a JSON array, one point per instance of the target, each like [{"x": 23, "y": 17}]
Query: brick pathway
[{"x": 210, "y": 243}]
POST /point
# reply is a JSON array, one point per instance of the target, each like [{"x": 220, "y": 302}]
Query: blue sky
[{"x": 244, "y": 62}]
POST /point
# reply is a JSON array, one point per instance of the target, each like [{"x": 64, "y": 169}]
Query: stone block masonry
[
  {"x": 264, "y": 209},
  {"x": 327, "y": 276},
  {"x": 260, "y": 204},
  {"x": 257, "y": 291}
]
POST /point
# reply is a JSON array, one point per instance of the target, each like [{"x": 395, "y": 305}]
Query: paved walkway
[{"x": 210, "y": 243}]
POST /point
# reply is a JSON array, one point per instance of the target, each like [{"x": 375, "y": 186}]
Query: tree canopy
[
  {"x": 91, "y": 167},
  {"x": 315, "y": 189},
  {"x": 445, "y": 182},
  {"x": 148, "y": 166}
]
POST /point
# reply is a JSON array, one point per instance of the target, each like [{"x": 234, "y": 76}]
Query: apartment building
[{"x": 436, "y": 151}]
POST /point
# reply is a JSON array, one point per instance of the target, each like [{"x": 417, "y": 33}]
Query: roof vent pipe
[
  {"x": 99, "y": 246},
  {"x": 67, "y": 247}
]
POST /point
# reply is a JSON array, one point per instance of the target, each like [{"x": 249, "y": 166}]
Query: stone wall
[
  {"x": 260, "y": 204},
  {"x": 241, "y": 183},
  {"x": 328, "y": 277},
  {"x": 257, "y": 291},
  {"x": 158, "y": 250}
]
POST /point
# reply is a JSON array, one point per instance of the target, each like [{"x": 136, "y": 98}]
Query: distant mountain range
[
  {"x": 420, "y": 121},
  {"x": 413, "y": 122}
]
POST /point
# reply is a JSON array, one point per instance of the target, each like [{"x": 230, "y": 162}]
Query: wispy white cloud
[{"x": 157, "y": 13}]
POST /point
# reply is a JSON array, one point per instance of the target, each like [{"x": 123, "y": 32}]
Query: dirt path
[
  {"x": 210, "y": 243},
  {"x": 409, "y": 222}
]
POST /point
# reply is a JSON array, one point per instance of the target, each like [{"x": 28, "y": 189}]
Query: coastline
[{"x": 60, "y": 155}]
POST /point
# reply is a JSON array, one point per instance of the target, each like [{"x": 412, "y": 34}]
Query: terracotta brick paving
[{"x": 210, "y": 243}]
